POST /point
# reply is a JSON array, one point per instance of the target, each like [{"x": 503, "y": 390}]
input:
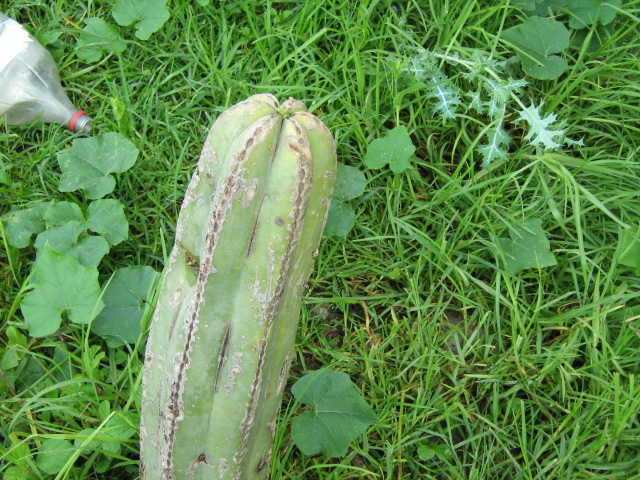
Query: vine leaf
[
  {"x": 536, "y": 41},
  {"x": 98, "y": 37},
  {"x": 53, "y": 454},
  {"x": 20, "y": 225},
  {"x": 62, "y": 287},
  {"x": 350, "y": 184},
  {"x": 528, "y": 247},
  {"x": 394, "y": 149},
  {"x": 630, "y": 248},
  {"x": 148, "y": 15},
  {"x": 68, "y": 231},
  {"x": 106, "y": 217},
  {"x": 584, "y": 13},
  {"x": 338, "y": 413},
  {"x": 126, "y": 298},
  {"x": 88, "y": 163}
]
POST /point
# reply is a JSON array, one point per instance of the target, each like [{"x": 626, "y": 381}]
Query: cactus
[{"x": 223, "y": 331}]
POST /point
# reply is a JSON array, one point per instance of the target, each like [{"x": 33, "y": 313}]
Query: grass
[{"x": 474, "y": 373}]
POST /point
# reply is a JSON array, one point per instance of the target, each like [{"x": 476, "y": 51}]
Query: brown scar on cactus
[
  {"x": 222, "y": 357},
  {"x": 190, "y": 259}
]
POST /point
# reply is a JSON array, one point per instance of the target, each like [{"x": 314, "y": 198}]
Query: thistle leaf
[
  {"x": 541, "y": 129},
  {"x": 476, "y": 102},
  {"x": 495, "y": 149},
  {"x": 447, "y": 100},
  {"x": 422, "y": 66}
]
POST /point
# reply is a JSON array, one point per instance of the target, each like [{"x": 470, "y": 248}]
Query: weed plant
[{"x": 475, "y": 370}]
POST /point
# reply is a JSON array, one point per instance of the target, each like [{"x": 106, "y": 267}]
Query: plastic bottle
[{"x": 30, "y": 87}]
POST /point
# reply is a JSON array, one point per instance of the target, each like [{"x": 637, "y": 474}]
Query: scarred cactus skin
[{"x": 222, "y": 334}]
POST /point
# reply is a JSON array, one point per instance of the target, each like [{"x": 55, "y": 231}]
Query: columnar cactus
[{"x": 223, "y": 331}]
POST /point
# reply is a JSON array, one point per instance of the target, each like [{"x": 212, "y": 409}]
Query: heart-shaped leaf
[
  {"x": 338, "y": 413},
  {"x": 88, "y": 163},
  {"x": 528, "y": 247},
  {"x": 148, "y": 15},
  {"x": 126, "y": 298},
  {"x": 62, "y": 286},
  {"x": 537, "y": 40},
  {"x": 394, "y": 149}
]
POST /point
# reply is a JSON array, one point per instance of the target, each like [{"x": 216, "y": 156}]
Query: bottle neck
[{"x": 80, "y": 122}]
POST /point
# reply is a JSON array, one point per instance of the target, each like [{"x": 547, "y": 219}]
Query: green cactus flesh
[{"x": 223, "y": 331}]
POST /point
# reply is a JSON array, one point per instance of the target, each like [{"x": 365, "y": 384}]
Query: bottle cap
[{"x": 80, "y": 122}]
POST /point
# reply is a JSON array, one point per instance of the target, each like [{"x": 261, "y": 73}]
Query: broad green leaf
[
  {"x": 148, "y": 15},
  {"x": 63, "y": 212},
  {"x": 107, "y": 218},
  {"x": 428, "y": 452},
  {"x": 53, "y": 454},
  {"x": 338, "y": 413},
  {"x": 16, "y": 348},
  {"x": 541, "y": 7},
  {"x": 62, "y": 287},
  {"x": 20, "y": 225},
  {"x": 528, "y": 247},
  {"x": 584, "y": 13},
  {"x": 525, "y": 4},
  {"x": 394, "y": 149},
  {"x": 14, "y": 337},
  {"x": 67, "y": 230},
  {"x": 71, "y": 240},
  {"x": 98, "y": 37},
  {"x": 126, "y": 298},
  {"x": 89, "y": 251},
  {"x": 87, "y": 165},
  {"x": 31, "y": 372},
  {"x": 350, "y": 183},
  {"x": 11, "y": 358},
  {"x": 630, "y": 248},
  {"x": 121, "y": 426},
  {"x": 49, "y": 38},
  {"x": 340, "y": 220},
  {"x": 5, "y": 178},
  {"x": 120, "y": 113},
  {"x": 60, "y": 238},
  {"x": 18, "y": 473},
  {"x": 19, "y": 451},
  {"x": 536, "y": 41}
]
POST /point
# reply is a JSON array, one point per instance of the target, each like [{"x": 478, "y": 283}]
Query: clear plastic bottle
[{"x": 30, "y": 87}]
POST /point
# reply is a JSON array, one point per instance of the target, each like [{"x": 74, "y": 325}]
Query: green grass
[{"x": 474, "y": 373}]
